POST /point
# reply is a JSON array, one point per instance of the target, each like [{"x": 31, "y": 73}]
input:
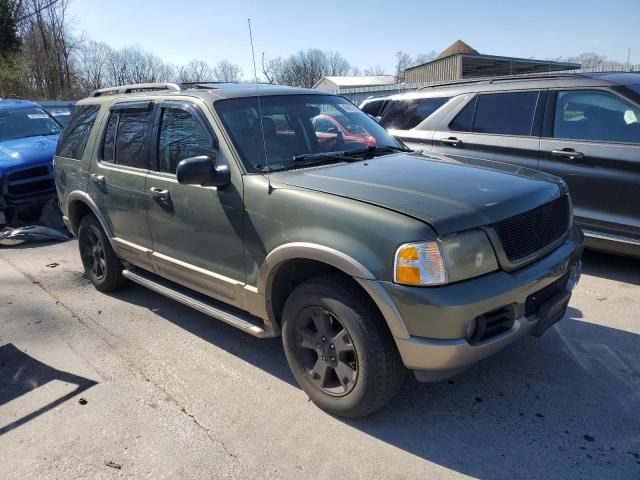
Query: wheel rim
[
  {"x": 325, "y": 351},
  {"x": 93, "y": 255}
]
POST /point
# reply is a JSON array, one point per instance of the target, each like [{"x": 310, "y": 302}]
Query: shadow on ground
[
  {"x": 611, "y": 267},
  {"x": 562, "y": 406},
  {"x": 20, "y": 374}
]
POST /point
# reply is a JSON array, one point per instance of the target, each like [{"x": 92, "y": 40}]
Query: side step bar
[{"x": 235, "y": 318}]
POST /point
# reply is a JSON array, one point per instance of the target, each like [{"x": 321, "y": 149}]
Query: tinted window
[
  {"x": 408, "y": 113},
  {"x": 464, "y": 120},
  {"x": 181, "y": 136},
  {"x": 505, "y": 113},
  {"x": 125, "y": 137},
  {"x": 595, "y": 115},
  {"x": 108, "y": 146},
  {"x": 75, "y": 135},
  {"x": 22, "y": 122},
  {"x": 374, "y": 107},
  {"x": 324, "y": 125},
  {"x": 296, "y": 136}
]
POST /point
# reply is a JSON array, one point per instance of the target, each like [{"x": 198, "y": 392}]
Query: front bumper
[{"x": 436, "y": 318}]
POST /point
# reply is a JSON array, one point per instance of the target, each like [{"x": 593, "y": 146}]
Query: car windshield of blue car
[{"x": 24, "y": 122}]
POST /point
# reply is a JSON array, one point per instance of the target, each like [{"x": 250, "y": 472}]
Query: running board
[{"x": 232, "y": 316}]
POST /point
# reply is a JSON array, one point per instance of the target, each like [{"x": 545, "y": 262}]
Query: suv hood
[
  {"x": 24, "y": 152},
  {"x": 450, "y": 195}
]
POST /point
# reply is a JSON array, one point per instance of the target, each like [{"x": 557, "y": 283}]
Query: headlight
[{"x": 446, "y": 260}]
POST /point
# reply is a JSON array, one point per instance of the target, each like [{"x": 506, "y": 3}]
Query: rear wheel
[
  {"x": 100, "y": 262},
  {"x": 339, "y": 347}
]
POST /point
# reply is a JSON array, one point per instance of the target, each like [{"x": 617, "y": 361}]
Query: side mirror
[
  {"x": 202, "y": 171},
  {"x": 333, "y": 130}
]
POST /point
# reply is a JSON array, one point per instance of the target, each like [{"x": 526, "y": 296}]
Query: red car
[{"x": 330, "y": 127}]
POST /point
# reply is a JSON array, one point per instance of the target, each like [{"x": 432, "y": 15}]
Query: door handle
[
  {"x": 569, "y": 153},
  {"x": 159, "y": 193},
  {"x": 99, "y": 179},
  {"x": 453, "y": 141}
]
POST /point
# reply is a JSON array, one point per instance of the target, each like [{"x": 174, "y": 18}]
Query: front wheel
[{"x": 339, "y": 347}]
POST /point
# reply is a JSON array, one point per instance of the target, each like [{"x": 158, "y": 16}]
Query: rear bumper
[{"x": 437, "y": 318}]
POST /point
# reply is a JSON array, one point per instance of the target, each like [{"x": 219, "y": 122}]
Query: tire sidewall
[
  {"x": 346, "y": 310},
  {"x": 111, "y": 279}
]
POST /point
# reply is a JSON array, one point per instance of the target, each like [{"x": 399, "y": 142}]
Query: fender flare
[
  {"x": 83, "y": 197},
  {"x": 339, "y": 260}
]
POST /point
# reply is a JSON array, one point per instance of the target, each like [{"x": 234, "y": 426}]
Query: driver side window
[{"x": 181, "y": 136}]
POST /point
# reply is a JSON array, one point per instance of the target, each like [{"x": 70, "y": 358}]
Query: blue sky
[{"x": 364, "y": 32}]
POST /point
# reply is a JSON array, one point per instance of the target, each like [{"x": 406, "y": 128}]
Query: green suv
[{"x": 367, "y": 258}]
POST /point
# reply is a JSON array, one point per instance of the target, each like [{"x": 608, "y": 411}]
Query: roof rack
[
  {"x": 504, "y": 78},
  {"x": 137, "y": 87}
]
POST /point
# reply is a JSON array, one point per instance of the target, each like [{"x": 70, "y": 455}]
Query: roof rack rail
[
  {"x": 137, "y": 87},
  {"x": 529, "y": 76},
  {"x": 454, "y": 82}
]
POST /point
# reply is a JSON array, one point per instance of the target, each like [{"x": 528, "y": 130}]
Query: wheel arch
[
  {"x": 80, "y": 204},
  {"x": 290, "y": 264}
]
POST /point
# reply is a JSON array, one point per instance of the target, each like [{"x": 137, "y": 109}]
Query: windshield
[
  {"x": 26, "y": 122},
  {"x": 297, "y": 125}
]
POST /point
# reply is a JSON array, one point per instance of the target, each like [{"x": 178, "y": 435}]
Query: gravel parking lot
[{"x": 135, "y": 385}]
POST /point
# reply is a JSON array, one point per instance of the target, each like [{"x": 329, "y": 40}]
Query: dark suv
[
  {"x": 582, "y": 127},
  {"x": 366, "y": 258}
]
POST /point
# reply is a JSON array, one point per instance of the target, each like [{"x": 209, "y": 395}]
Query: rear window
[
  {"x": 125, "y": 137},
  {"x": 505, "y": 113},
  {"x": 76, "y": 134},
  {"x": 406, "y": 114}
]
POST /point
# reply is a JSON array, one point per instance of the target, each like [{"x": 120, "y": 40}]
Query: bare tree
[
  {"x": 374, "y": 70},
  {"x": 196, "y": 71},
  {"x": 225, "y": 71},
  {"x": 305, "y": 68},
  {"x": 91, "y": 64}
]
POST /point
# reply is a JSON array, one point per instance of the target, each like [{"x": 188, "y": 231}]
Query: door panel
[
  {"x": 603, "y": 176},
  {"x": 496, "y": 126},
  {"x": 196, "y": 231}
]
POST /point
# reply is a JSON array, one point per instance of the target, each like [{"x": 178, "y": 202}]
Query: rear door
[
  {"x": 118, "y": 178},
  {"x": 197, "y": 231},
  {"x": 591, "y": 138},
  {"x": 502, "y": 126}
]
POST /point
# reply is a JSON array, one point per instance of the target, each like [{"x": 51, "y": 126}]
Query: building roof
[
  {"x": 359, "y": 81},
  {"x": 456, "y": 48}
]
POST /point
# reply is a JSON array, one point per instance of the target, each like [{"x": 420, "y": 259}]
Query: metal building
[{"x": 460, "y": 61}]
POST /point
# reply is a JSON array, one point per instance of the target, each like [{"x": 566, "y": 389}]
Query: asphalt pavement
[{"x": 134, "y": 385}]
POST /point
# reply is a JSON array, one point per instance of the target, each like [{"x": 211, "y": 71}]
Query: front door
[
  {"x": 118, "y": 179},
  {"x": 592, "y": 140},
  {"x": 196, "y": 231}
]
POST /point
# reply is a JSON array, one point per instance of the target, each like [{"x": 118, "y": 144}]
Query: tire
[
  {"x": 100, "y": 262},
  {"x": 333, "y": 304}
]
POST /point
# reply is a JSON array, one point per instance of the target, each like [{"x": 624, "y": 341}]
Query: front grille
[
  {"x": 29, "y": 182},
  {"x": 535, "y": 300},
  {"x": 526, "y": 233},
  {"x": 28, "y": 173}
]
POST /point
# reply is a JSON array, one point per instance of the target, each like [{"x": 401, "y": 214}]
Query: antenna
[{"x": 255, "y": 74}]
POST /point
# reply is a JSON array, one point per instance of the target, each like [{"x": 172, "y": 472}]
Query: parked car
[
  {"x": 58, "y": 109},
  {"x": 366, "y": 260},
  {"x": 374, "y": 106},
  {"x": 582, "y": 127},
  {"x": 28, "y": 137},
  {"x": 336, "y": 129}
]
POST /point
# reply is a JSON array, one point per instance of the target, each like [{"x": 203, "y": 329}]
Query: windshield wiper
[
  {"x": 348, "y": 155},
  {"x": 324, "y": 156},
  {"x": 376, "y": 149}
]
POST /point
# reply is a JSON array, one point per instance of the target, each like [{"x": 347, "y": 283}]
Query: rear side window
[
  {"x": 76, "y": 134},
  {"x": 464, "y": 120},
  {"x": 125, "y": 136},
  {"x": 406, "y": 114},
  {"x": 375, "y": 107},
  {"x": 505, "y": 113}
]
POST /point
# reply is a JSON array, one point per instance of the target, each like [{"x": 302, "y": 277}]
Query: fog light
[{"x": 471, "y": 330}]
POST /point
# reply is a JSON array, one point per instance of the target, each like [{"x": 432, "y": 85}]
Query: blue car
[{"x": 28, "y": 139}]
